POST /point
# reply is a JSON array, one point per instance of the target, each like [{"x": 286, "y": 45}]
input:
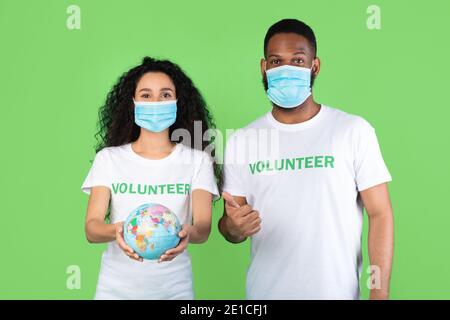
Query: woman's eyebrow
[
  {"x": 162, "y": 89},
  {"x": 145, "y": 89}
]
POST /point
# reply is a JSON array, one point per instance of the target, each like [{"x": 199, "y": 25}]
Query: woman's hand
[
  {"x": 122, "y": 244},
  {"x": 182, "y": 245}
]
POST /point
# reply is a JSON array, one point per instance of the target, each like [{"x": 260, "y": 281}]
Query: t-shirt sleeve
[
  {"x": 98, "y": 174},
  {"x": 233, "y": 175},
  {"x": 369, "y": 165},
  {"x": 204, "y": 177}
]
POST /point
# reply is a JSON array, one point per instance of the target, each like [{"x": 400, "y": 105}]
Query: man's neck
[{"x": 304, "y": 112}]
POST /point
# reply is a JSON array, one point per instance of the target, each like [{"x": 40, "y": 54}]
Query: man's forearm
[
  {"x": 225, "y": 231},
  {"x": 381, "y": 248}
]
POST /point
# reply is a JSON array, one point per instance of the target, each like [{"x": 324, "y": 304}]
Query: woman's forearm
[
  {"x": 98, "y": 231},
  {"x": 199, "y": 233}
]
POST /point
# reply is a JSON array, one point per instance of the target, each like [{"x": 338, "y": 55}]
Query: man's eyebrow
[{"x": 300, "y": 51}]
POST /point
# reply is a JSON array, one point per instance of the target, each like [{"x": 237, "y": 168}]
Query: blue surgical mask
[
  {"x": 288, "y": 86},
  {"x": 155, "y": 116}
]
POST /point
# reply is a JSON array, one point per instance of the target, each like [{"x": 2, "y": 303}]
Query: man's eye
[
  {"x": 298, "y": 61},
  {"x": 275, "y": 61}
]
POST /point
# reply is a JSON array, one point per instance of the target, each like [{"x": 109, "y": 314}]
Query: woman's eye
[
  {"x": 167, "y": 95},
  {"x": 145, "y": 96}
]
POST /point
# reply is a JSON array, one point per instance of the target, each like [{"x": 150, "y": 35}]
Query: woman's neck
[{"x": 153, "y": 145}]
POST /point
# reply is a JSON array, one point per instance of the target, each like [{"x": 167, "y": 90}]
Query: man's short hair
[{"x": 291, "y": 26}]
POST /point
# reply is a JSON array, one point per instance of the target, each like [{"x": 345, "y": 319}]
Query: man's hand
[
  {"x": 241, "y": 221},
  {"x": 182, "y": 245}
]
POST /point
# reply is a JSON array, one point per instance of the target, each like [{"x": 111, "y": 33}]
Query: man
[{"x": 303, "y": 208}]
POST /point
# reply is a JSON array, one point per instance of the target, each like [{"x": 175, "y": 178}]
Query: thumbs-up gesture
[{"x": 241, "y": 221}]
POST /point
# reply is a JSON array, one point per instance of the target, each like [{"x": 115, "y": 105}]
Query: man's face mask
[
  {"x": 155, "y": 116},
  {"x": 288, "y": 86}
]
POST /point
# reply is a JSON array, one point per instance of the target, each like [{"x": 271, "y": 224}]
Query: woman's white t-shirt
[{"x": 133, "y": 181}]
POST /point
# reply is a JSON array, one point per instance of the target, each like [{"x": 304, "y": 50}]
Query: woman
[{"x": 137, "y": 163}]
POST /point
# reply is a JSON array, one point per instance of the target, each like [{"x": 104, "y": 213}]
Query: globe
[{"x": 151, "y": 229}]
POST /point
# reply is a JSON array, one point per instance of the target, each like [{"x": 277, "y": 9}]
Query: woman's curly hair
[{"x": 116, "y": 117}]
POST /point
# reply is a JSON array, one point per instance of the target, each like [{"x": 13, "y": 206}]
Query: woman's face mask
[
  {"x": 155, "y": 116},
  {"x": 288, "y": 86}
]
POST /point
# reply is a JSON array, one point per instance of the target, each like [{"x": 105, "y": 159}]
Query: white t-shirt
[
  {"x": 305, "y": 188},
  {"x": 133, "y": 181}
]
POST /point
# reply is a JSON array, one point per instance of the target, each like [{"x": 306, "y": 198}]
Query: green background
[{"x": 53, "y": 81}]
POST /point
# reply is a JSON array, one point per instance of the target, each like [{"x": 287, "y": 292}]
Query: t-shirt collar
[{"x": 297, "y": 126}]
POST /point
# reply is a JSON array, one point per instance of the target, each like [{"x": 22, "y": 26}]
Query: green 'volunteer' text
[
  {"x": 170, "y": 188},
  {"x": 292, "y": 164}
]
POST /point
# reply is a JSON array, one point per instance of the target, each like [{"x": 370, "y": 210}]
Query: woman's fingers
[
  {"x": 121, "y": 241},
  {"x": 179, "y": 248},
  {"x": 131, "y": 253},
  {"x": 175, "y": 251},
  {"x": 184, "y": 231},
  {"x": 167, "y": 257},
  {"x": 172, "y": 253},
  {"x": 137, "y": 257},
  {"x": 123, "y": 245}
]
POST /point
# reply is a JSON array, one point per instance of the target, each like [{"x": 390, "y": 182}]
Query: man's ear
[
  {"x": 263, "y": 66},
  {"x": 316, "y": 67}
]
